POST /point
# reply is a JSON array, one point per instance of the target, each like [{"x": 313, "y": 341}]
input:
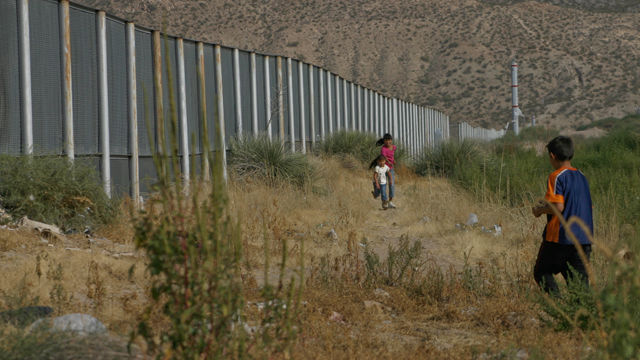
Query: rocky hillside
[
  {"x": 594, "y": 5},
  {"x": 577, "y": 64}
]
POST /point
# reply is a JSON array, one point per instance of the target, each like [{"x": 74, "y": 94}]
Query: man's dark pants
[{"x": 556, "y": 258}]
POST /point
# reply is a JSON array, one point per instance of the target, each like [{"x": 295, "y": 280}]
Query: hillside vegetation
[{"x": 577, "y": 65}]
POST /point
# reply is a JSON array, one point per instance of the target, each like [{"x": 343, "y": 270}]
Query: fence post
[
  {"x": 365, "y": 117},
  {"x": 302, "y": 118},
  {"x": 353, "y": 107},
  {"x": 312, "y": 107},
  {"x": 359, "y": 97},
  {"x": 203, "y": 111},
  {"x": 395, "y": 117},
  {"x": 221, "y": 122},
  {"x": 292, "y": 130},
  {"x": 67, "y": 88},
  {"x": 133, "y": 113},
  {"x": 344, "y": 104},
  {"x": 157, "y": 85},
  {"x": 338, "y": 112},
  {"x": 267, "y": 96},
  {"x": 25, "y": 77},
  {"x": 182, "y": 102},
  {"x": 103, "y": 88},
  {"x": 329, "y": 101},
  {"x": 322, "y": 115},
  {"x": 280, "y": 99},
  {"x": 254, "y": 95},
  {"x": 238, "y": 93}
]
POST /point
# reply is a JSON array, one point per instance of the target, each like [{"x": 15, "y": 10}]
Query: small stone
[
  {"x": 522, "y": 354},
  {"x": 374, "y": 307},
  {"x": 381, "y": 293},
  {"x": 82, "y": 324},
  {"x": 333, "y": 235},
  {"x": 472, "y": 219},
  {"x": 337, "y": 317},
  {"x": 425, "y": 219}
]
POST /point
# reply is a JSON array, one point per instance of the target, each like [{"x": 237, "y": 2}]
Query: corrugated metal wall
[{"x": 324, "y": 100}]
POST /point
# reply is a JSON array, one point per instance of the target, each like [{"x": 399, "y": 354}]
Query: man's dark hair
[{"x": 561, "y": 147}]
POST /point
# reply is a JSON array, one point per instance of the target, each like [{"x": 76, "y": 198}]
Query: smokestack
[{"x": 515, "y": 109}]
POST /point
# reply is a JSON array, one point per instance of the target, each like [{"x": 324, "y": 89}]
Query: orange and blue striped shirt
[{"x": 570, "y": 187}]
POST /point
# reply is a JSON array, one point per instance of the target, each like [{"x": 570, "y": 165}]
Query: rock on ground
[{"x": 79, "y": 323}]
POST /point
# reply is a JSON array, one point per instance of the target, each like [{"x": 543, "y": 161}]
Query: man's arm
[{"x": 545, "y": 208}]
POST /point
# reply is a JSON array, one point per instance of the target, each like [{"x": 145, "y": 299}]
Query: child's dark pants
[{"x": 556, "y": 258}]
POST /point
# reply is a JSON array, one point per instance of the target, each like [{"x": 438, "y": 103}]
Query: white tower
[{"x": 515, "y": 109}]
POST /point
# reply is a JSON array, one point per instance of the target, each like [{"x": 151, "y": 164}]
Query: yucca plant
[{"x": 269, "y": 161}]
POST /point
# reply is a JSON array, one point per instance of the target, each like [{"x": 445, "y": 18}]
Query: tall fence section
[
  {"x": 462, "y": 130},
  {"x": 77, "y": 82}
]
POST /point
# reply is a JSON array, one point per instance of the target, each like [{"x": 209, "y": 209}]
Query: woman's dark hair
[
  {"x": 385, "y": 137},
  {"x": 375, "y": 161}
]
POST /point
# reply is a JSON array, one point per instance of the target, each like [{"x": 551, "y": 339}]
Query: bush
[
  {"x": 361, "y": 146},
  {"x": 448, "y": 159},
  {"x": 269, "y": 161},
  {"x": 53, "y": 190},
  {"x": 403, "y": 263}
]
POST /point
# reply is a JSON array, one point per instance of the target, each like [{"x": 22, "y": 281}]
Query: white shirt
[{"x": 382, "y": 173}]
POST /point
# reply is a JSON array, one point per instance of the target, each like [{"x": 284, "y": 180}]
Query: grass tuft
[{"x": 269, "y": 161}]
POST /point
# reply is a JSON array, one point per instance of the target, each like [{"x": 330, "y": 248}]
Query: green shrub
[
  {"x": 53, "y": 190},
  {"x": 402, "y": 264},
  {"x": 269, "y": 161},
  {"x": 359, "y": 145},
  {"x": 448, "y": 159}
]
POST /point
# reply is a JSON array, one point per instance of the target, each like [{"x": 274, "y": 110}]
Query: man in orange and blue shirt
[{"x": 567, "y": 191}]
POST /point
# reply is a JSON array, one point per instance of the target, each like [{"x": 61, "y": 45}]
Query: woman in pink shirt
[{"x": 388, "y": 151}]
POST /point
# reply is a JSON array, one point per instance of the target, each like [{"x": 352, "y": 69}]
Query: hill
[{"x": 577, "y": 64}]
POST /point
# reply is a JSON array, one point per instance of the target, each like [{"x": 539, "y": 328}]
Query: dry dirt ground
[{"x": 477, "y": 301}]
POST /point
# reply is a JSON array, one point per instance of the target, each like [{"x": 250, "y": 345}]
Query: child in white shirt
[{"x": 382, "y": 176}]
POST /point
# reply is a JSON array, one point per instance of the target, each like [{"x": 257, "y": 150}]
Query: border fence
[
  {"x": 77, "y": 82},
  {"x": 461, "y": 131}
]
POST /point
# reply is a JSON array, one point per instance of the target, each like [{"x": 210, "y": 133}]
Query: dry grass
[{"x": 479, "y": 286}]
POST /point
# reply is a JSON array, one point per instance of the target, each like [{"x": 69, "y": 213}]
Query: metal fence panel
[
  {"x": 307, "y": 102},
  {"x": 316, "y": 108},
  {"x": 273, "y": 79},
  {"x": 145, "y": 94},
  {"x": 120, "y": 176},
  {"x": 229, "y": 95},
  {"x": 295, "y": 82},
  {"x": 84, "y": 70},
  {"x": 193, "y": 96},
  {"x": 148, "y": 174},
  {"x": 211, "y": 95},
  {"x": 10, "y": 142},
  {"x": 117, "y": 82},
  {"x": 46, "y": 81},
  {"x": 169, "y": 63},
  {"x": 245, "y": 92},
  {"x": 334, "y": 101},
  {"x": 260, "y": 93}
]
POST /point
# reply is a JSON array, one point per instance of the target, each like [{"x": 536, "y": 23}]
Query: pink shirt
[{"x": 389, "y": 153}]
